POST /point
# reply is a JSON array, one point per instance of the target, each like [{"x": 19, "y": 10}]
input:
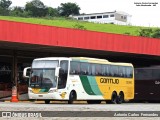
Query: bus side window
[
  {"x": 75, "y": 68},
  {"x": 114, "y": 71},
  {"x": 98, "y": 69},
  {"x": 84, "y": 68},
  {"x": 89, "y": 69},
  {"x": 129, "y": 72},
  {"x": 121, "y": 71},
  {"x": 107, "y": 68},
  {"x": 104, "y": 70},
  {"x": 93, "y": 69}
]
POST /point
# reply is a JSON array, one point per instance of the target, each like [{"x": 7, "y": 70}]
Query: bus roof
[
  {"x": 96, "y": 60},
  {"x": 84, "y": 59},
  {"x": 89, "y": 59},
  {"x": 53, "y": 58}
]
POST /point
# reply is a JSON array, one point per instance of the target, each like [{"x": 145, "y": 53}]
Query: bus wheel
[
  {"x": 72, "y": 97},
  {"x": 98, "y": 102},
  {"x": 47, "y": 101},
  {"x": 114, "y": 98},
  {"x": 120, "y": 98},
  {"x": 89, "y": 101}
]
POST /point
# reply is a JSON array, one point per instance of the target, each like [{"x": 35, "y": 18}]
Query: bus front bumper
[{"x": 43, "y": 96}]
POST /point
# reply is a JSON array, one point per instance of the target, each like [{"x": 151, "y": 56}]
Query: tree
[
  {"x": 36, "y": 8},
  {"x": 156, "y": 33},
  {"x": 5, "y": 4},
  {"x": 17, "y": 11},
  {"x": 4, "y": 7},
  {"x": 69, "y": 8},
  {"x": 52, "y": 12}
]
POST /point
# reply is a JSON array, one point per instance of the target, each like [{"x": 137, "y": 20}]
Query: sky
[{"x": 141, "y": 15}]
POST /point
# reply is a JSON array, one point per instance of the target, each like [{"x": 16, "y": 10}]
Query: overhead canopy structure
[
  {"x": 74, "y": 42},
  {"x": 33, "y": 34}
]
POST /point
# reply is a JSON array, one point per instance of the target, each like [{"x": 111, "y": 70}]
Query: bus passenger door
[{"x": 63, "y": 74}]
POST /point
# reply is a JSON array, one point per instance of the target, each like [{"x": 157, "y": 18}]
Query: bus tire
[
  {"x": 98, "y": 102},
  {"x": 114, "y": 98},
  {"x": 89, "y": 101},
  {"x": 120, "y": 98},
  {"x": 72, "y": 97},
  {"x": 47, "y": 101},
  {"x": 94, "y": 101}
]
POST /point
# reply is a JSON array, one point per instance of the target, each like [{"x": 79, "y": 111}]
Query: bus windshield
[
  {"x": 43, "y": 74},
  {"x": 43, "y": 78}
]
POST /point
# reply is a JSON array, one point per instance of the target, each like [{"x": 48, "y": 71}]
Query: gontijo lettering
[{"x": 109, "y": 80}]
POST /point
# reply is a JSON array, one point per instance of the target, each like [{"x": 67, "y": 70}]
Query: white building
[{"x": 116, "y": 17}]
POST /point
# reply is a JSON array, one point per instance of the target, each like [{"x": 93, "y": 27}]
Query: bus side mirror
[
  {"x": 25, "y": 71},
  {"x": 57, "y": 71}
]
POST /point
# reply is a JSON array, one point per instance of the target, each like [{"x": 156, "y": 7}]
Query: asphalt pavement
[{"x": 80, "y": 110}]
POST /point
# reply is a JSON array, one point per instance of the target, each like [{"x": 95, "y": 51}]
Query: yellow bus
[{"x": 80, "y": 78}]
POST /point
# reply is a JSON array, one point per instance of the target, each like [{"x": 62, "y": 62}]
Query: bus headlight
[{"x": 30, "y": 91}]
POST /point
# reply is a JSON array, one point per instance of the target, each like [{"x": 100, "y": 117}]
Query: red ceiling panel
[{"x": 65, "y": 37}]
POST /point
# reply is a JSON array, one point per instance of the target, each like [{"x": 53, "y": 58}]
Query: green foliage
[
  {"x": 150, "y": 32},
  {"x": 5, "y": 4},
  {"x": 4, "y": 12},
  {"x": 145, "y": 32},
  {"x": 79, "y": 26},
  {"x": 4, "y": 7},
  {"x": 17, "y": 11},
  {"x": 69, "y": 8},
  {"x": 156, "y": 33},
  {"x": 127, "y": 33},
  {"x": 36, "y": 8},
  {"x": 52, "y": 12}
]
